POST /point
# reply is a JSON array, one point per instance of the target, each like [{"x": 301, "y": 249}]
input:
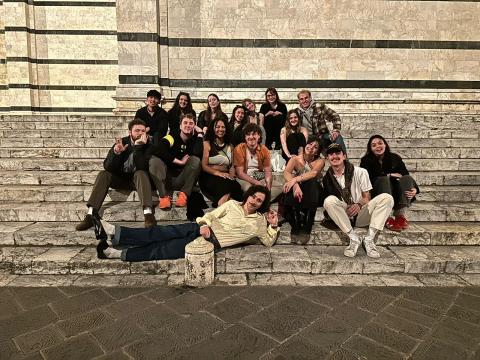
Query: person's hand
[
  {"x": 184, "y": 160},
  {"x": 297, "y": 193},
  {"x": 142, "y": 140},
  {"x": 288, "y": 185},
  {"x": 147, "y": 129},
  {"x": 277, "y": 113},
  {"x": 270, "y": 113},
  {"x": 224, "y": 175},
  {"x": 353, "y": 210},
  {"x": 119, "y": 147},
  {"x": 396, "y": 175},
  {"x": 205, "y": 231},
  {"x": 334, "y": 134},
  {"x": 411, "y": 193},
  {"x": 272, "y": 218}
]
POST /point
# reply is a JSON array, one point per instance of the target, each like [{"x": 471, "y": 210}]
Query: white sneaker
[
  {"x": 370, "y": 248},
  {"x": 351, "y": 249}
]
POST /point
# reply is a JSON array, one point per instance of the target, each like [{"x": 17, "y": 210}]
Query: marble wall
[{"x": 99, "y": 56}]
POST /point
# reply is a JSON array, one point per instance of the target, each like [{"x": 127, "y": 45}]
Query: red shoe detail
[
  {"x": 181, "y": 200},
  {"x": 392, "y": 224},
  {"x": 402, "y": 222}
]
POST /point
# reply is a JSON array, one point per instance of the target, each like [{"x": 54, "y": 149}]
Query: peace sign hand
[{"x": 119, "y": 147}]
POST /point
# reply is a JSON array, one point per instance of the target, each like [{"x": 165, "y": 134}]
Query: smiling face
[
  {"x": 271, "y": 97},
  {"x": 312, "y": 148},
  {"x": 187, "y": 125},
  {"x": 239, "y": 115},
  {"x": 293, "y": 119},
  {"x": 254, "y": 202},
  {"x": 152, "y": 101},
  {"x": 219, "y": 129},
  {"x": 250, "y": 106},
  {"x": 183, "y": 101},
  {"x": 252, "y": 139},
  {"x": 378, "y": 147},
  {"x": 137, "y": 132},
  {"x": 336, "y": 158},
  {"x": 213, "y": 102},
  {"x": 304, "y": 100}
]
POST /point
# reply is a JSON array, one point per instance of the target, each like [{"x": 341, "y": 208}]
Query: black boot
[
  {"x": 309, "y": 220},
  {"x": 100, "y": 233},
  {"x": 297, "y": 221}
]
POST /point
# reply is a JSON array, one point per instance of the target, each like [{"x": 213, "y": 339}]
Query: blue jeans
[
  {"x": 156, "y": 243},
  {"x": 326, "y": 141}
]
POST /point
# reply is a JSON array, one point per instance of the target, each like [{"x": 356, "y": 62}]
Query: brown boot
[
  {"x": 86, "y": 223},
  {"x": 150, "y": 220}
]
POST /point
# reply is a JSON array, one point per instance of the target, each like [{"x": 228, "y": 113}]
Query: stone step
[
  {"x": 252, "y": 259},
  {"x": 355, "y": 153},
  {"x": 416, "y": 164},
  {"x": 113, "y": 211},
  {"x": 418, "y": 234},
  {"x": 79, "y": 177},
  {"x": 69, "y": 193}
]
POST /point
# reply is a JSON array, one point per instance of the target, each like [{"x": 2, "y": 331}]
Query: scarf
[{"x": 344, "y": 194}]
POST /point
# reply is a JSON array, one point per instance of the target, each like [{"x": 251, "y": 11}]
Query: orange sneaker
[
  {"x": 181, "y": 200},
  {"x": 165, "y": 203}
]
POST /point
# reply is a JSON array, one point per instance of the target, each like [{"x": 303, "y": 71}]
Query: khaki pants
[
  {"x": 105, "y": 179},
  {"x": 374, "y": 214},
  {"x": 165, "y": 179},
  {"x": 276, "y": 189}
]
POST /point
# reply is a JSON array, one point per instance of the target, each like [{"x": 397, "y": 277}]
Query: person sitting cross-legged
[
  {"x": 125, "y": 168},
  {"x": 348, "y": 202},
  {"x": 173, "y": 164},
  {"x": 230, "y": 224}
]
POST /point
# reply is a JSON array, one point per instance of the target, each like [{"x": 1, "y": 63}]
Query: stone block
[
  {"x": 254, "y": 258},
  {"x": 419, "y": 259},
  {"x": 290, "y": 259},
  {"x": 330, "y": 260}
]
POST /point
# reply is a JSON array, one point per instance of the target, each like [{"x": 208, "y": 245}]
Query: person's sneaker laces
[
  {"x": 351, "y": 249},
  {"x": 370, "y": 248},
  {"x": 86, "y": 223},
  {"x": 181, "y": 199},
  {"x": 150, "y": 220},
  {"x": 402, "y": 222},
  {"x": 165, "y": 203}
]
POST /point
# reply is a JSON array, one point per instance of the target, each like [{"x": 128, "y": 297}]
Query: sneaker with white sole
[
  {"x": 351, "y": 249},
  {"x": 370, "y": 248}
]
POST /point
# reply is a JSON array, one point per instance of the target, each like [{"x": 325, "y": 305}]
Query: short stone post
[{"x": 199, "y": 263}]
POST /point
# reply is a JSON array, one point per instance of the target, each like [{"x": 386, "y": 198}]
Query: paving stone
[
  {"x": 39, "y": 339},
  {"x": 290, "y": 258},
  {"x": 404, "y": 326},
  {"x": 8, "y": 306},
  {"x": 389, "y": 338},
  {"x": 80, "y": 303},
  {"x": 140, "y": 280},
  {"x": 231, "y": 279},
  {"x": 215, "y": 294},
  {"x": 441, "y": 280},
  {"x": 77, "y": 348},
  {"x": 343, "y": 354},
  {"x": 161, "y": 294},
  {"x": 429, "y": 297},
  {"x": 237, "y": 342},
  {"x": 84, "y": 322},
  {"x": 155, "y": 318},
  {"x": 369, "y": 349},
  {"x": 118, "y": 334},
  {"x": 370, "y": 300},
  {"x": 468, "y": 301},
  {"x": 400, "y": 280},
  {"x": 288, "y": 315},
  {"x": 262, "y": 295},
  {"x": 187, "y": 304},
  {"x": 7, "y": 231},
  {"x": 419, "y": 308},
  {"x": 233, "y": 309},
  {"x": 273, "y": 279},
  {"x": 466, "y": 328},
  {"x": 407, "y": 314},
  {"x": 359, "y": 280},
  {"x": 316, "y": 280},
  {"x": 196, "y": 328},
  {"x": 94, "y": 281},
  {"x": 157, "y": 346},
  {"x": 124, "y": 308},
  {"x": 254, "y": 258},
  {"x": 326, "y": 296},
  {"x": 31, "y": 298},
  {"x": 352, "y": 315},
  {"x": 11, "y": 352},
  {"x": 330, "y": 260},
  {"x": 471, "y": 290},
  {"x": 26, "y": 321},
  {"x": 472, "y": 279},
  {"x": 458, "y": 256},
  {"x": 299, "y": 348},
  {"x": 125, "y": 292},
  {"x": 42, "y": 280},
  {"x": 419, "y": 260},
  {"x": 438, "y": 350},
  {"x": 118, "y": 355},
  {"x": 455, "y": 338}
]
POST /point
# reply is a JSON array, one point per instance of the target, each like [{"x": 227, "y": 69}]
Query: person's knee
[
  {"x": 193, "y": 162},
  {"x": 329, "y": 202},
  {"x": 104, "y": 175},
  {"x": 385, "y": 199}
]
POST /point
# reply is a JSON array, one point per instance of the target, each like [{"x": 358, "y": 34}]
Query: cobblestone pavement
[{"x": 228, "y": 322}]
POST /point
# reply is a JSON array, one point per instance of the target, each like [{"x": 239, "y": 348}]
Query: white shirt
[{"x": 360, "y": 183}]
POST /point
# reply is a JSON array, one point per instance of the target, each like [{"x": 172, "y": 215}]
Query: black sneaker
[
  {"x": 86, "y": 223},
  {"x": 100, "y": 233},
  {"x": 102, "y": 245}
]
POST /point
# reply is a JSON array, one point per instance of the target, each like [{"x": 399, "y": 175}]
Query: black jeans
[{"x": 395, "y": 187}]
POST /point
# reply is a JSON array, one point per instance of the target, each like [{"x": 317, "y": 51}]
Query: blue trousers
[{"x": 155, "y": 243}]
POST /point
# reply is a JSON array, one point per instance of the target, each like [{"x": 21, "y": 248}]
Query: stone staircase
[{"x": 49, "y": 163}]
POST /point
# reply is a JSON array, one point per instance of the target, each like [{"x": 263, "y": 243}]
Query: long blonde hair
[{"x": 288, "y": 127}]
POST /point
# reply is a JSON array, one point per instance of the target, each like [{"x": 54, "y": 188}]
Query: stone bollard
[{"x": 199, "y": 263}]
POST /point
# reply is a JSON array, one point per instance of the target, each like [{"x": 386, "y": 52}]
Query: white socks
[
  {"x": 353, "y": 236},
  {"x": 112, "y": 253},
  {"x": 147, "y": 210},
  {"x": 90, "y": 210},
  {"x": 371, "y": 232},
  {"x": 109, "y": 229}
]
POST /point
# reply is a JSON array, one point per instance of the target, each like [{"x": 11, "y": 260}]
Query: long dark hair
[
  {"x": 218, "y": 110},
  {"x": 261, "y": 189},
  {"x": 288, "y": 127},
  {"x": 210, "y": 135},
  {"x": 176, "y": 106},
  {"x": 232, "y": 118},
  {"x": 369, "y": 145}
]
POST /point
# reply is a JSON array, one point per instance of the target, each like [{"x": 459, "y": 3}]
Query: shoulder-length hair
[
  {"x": 288, "y": 128},
  {"x": 218, "y": 109},
  {"x": 210, "y": 135},
  {"x": 232, "y": 118},
  {"x": 369, "y": 145},
  {"x": 273, "y": 91},
  {"x": 176, "y": 106},
  {"x": 261, "y": 189}
]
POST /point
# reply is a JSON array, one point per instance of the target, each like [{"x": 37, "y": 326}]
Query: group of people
[{"x": 230, "y": 159}]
